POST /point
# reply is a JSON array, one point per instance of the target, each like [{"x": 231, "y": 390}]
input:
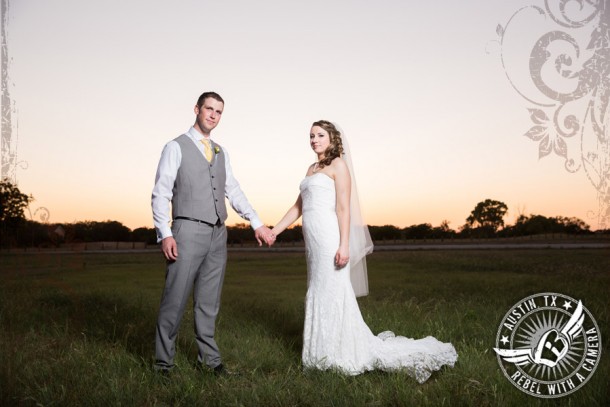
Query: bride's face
[{"x": 319, "y": 139}]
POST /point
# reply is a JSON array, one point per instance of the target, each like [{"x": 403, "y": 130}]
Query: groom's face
[{"x": 208, "y": 115}]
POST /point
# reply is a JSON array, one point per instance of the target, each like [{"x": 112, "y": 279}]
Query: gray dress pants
[{"x": 200, "y": 266}]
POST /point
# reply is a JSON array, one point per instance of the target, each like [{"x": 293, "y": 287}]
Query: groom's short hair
[{"x": 206, "y": 95}]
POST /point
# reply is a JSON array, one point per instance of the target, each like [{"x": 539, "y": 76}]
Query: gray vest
[{"x": 199, "y": 190}]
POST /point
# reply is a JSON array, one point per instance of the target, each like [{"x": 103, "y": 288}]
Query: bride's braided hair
[{"x": 335, "y": 149}]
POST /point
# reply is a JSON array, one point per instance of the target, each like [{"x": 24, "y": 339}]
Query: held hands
[
  {"x": 342, "y": 257},
  {"x": 264, "y": 234},
  {"x": 169, "y": 248}
]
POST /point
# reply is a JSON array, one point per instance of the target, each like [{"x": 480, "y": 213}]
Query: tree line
[{"x": 485, "y": 221}]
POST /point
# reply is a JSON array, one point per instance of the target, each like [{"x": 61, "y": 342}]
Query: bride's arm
[
  {"x": 291, "y": 216},
  {"x": 343, "y": 191}
]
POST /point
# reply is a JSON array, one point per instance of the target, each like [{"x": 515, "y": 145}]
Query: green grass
[{"x": 78, "y": 329}]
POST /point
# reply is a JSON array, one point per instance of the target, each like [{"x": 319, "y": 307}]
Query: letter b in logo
[{"x": 551, "y": 348}]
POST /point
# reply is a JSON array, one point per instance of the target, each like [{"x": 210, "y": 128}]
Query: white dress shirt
[{"x": 166, "y": 176}]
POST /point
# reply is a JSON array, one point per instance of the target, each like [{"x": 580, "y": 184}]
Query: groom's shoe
[
  {"x": 218, "y": 371},
  {"x": 221, "y": 371}
]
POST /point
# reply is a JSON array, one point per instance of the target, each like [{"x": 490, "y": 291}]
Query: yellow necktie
[{"x": 207, "y": 149}]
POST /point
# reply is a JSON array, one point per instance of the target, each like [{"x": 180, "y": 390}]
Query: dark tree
[
  {"x": 112, "y": 231},
  {"x": 539, "y": 224},
  {"x": 385, "y": 232},
  {"x": 146, "y": 235},
  {"x": 421, "y": 231},
  {"x": 488, "y": 215},
  {"x": 443, "y": 231},
  {"x": 291, "y": 235},
  {"x": 93, "y": 231},
  {"x": 239, "y": 233},
  {"x": 12, "y": 203},
  {"x": 573, "y": 225},
  {"x": 533, "y": 225}
]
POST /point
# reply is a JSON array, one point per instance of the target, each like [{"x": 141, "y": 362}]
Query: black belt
[{"x": 218, "y": 222}]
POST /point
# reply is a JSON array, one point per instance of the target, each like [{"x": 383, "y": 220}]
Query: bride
[{"x": 336, "y": 241}]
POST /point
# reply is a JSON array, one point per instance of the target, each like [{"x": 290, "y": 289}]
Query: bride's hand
[{"x": 342, "y": 257}]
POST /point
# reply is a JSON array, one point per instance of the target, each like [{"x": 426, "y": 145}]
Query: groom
[{"x": 195, "y": 175}]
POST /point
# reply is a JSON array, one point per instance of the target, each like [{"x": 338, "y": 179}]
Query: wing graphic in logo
[
  {"x": 519, "y": 357},
  {"x": 552, "y": 346}
]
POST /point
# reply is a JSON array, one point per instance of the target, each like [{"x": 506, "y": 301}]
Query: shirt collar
[{"x": 195, "y": 135}]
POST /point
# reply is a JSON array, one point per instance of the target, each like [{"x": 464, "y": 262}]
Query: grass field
[{"x": 78, "y": 329}]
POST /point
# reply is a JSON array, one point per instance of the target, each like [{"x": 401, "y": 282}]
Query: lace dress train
[{"x": 335, "y": 335}]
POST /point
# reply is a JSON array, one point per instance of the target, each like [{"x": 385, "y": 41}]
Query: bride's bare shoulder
[
  {"x": 339, "y": 166},
  {"x": 310, "y": 169},
  {"x": 338, "y": 163}
]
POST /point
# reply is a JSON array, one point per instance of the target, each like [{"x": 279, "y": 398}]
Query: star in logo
[
  {"x": 551, "y": 348},
  {"x": 546, "y": 341}
]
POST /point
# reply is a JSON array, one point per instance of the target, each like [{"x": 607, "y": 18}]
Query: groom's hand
[
  {"x": 264, "y": 234},
  {"x": 169, "y": 248}
]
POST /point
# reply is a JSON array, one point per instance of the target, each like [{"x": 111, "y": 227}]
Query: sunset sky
[{"x": 418, "y": 87}]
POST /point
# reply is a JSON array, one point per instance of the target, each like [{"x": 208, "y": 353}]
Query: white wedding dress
[{"x": 335, "y": 335}]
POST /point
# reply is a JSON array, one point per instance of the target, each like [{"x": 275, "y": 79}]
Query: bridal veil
[{"x": 360, "y": 242}]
